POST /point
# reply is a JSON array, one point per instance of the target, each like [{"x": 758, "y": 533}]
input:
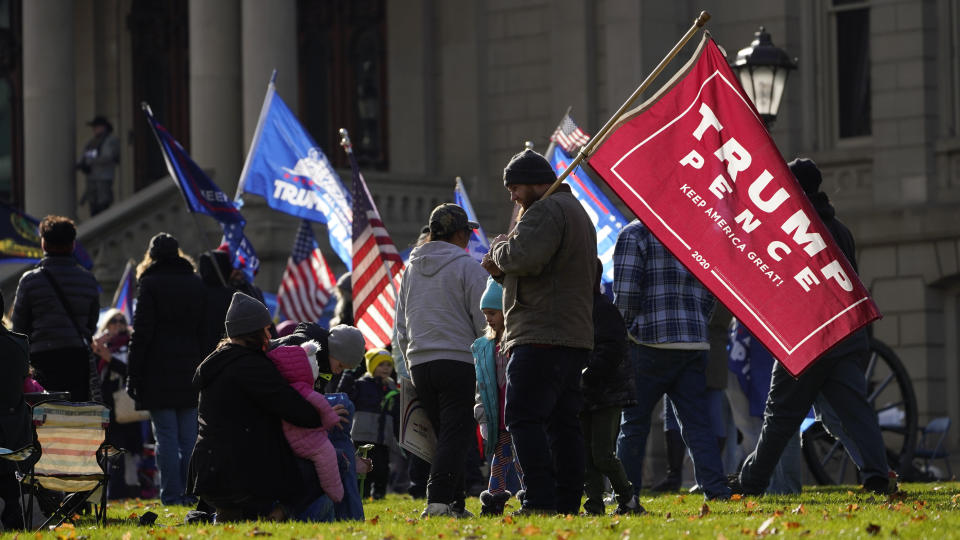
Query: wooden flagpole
[{"x": 582, "y": 155}]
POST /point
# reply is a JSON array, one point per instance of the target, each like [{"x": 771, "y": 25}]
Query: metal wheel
[{"x": 890, "y": 391}]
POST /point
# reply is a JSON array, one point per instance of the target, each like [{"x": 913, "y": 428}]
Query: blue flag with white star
[{"x": 604, "y": 215}]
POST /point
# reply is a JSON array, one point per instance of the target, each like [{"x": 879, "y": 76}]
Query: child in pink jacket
[{"x": 298, "y": 365}]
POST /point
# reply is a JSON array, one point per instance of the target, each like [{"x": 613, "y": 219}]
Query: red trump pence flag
[{"x": 698, "y": 167}]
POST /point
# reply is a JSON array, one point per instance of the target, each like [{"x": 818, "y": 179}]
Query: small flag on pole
[
  {"x": 202, "y": 196},
  {"x": 287, "y": 168},
  {"x": 307, "y": 283},
  {"x": 376, "y": 262},
  {"x": 569, "y": 136},
  {"x": 604, "y": 215},
  {"x": 478, "y": 245},
  {"x": 126, "y": 291}
]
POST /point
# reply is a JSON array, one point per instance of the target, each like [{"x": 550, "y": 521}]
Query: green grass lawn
[{"x": 923, "y": 511}]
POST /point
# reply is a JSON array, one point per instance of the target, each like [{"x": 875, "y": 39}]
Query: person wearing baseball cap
[{"x": 438, "y": 317}]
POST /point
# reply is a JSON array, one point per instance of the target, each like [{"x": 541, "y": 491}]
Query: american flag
[
  {"x": 569, "y": 136},
  {"x": 307, "y": 282},
  {"x": 376, "y": 265}
]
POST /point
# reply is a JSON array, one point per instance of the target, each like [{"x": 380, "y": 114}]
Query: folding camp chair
[
  {"x": 74, "y": 458},
  {"x": 22, "y": 460},
  {"x": 933, "y": 447}
]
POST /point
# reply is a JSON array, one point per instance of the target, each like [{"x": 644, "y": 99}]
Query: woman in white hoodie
[{"x": 438, "y": 318}]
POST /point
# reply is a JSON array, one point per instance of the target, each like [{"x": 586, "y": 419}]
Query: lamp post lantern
[{"x": 763, "y": 69}]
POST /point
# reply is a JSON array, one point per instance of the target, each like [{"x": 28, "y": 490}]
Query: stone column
[
  {"x": 216, "y": 119},
  {"x": 49, "y": 108},
  {"x": 269, "y": 42}
]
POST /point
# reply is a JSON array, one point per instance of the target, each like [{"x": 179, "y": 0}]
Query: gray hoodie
[{"x": 438, "y": 312}]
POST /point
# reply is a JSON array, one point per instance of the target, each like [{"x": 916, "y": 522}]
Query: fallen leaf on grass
[
  {"x": 767, "y": 526},
  {"x": 721, "y": 537},
  {"x": 792, "y": 525},
  {"x": 565, "y": 534},
  {"x": 507, "y": 519},
  {"x": 750, "y": 505},
  {"x": 799, "y": 509},
  {"x": 257, "y": 532},
  {"x": 873, "y": 529},
  {"x": 735, "y": 497},
  {"x": 374, "y": 520},
  {"x": 669, "y": 515},
  {"x": 704, "y": 510},
  {"x": 529, "y": 530},
  {"x": 127, "y": 535}
]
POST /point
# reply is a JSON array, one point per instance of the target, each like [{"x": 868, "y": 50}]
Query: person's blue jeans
[
  {"x": 840, "y": 380},
  {"x": 176, "y": 434},
  {"x": 542, "y": 408},
  {"x": 680, "y": 375}
]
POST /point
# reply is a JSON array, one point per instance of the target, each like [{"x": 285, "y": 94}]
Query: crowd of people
[{"x": 525, "y": 348}]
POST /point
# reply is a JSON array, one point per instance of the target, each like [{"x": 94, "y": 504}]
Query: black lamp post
[{"x": 763, "y": 69}]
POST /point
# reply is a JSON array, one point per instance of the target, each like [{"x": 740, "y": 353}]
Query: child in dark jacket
[
  {"x": 608, "y": 386},
  {"x": 376, "y": 398},
  {"x": 491, "y": 365}
]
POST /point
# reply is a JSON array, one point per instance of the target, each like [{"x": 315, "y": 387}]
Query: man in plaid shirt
[{"x": 666, "y": 310}]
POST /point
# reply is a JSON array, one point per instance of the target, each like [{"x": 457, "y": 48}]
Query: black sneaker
[
  {"x": 736, "y": 488},
  {"x": 631, "y": 506},
  {"x": 881, "y": 485},
  {"x": 526, "y": 511}
]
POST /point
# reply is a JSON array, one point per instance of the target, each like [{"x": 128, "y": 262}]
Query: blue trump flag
[
  {"x": 202, "y": 196},
  {"x": 605, "y": 217},
  {"x": 285, "y": 167},
  {"x": 20, "y": 239},
  {"x": 478, "y": 245}
]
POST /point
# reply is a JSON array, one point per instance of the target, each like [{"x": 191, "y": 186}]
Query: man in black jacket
[
  {"x": 837, "y": 375},
  {"x": 57, "y": 348}
]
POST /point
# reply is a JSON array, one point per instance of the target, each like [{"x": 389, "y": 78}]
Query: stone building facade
[{"x": 457, "y": 86}]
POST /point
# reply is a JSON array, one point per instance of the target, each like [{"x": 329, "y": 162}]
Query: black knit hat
[
  {"x": 163, "y": 246},
  {"x": 528, "y": 167},
  {"x": 808, "y": 174}
]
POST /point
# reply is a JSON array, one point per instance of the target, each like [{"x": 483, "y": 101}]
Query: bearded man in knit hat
[
  {"x": 837, "y": 375},
  {"x": 547, "y": 268}
]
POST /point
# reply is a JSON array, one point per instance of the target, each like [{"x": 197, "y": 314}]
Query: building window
[
  {"x": 341, "y": 51},
  {"x": 11, "y": 104},
  {"x": 159, "y": 35},
  {"x": 851, "y": 40}
]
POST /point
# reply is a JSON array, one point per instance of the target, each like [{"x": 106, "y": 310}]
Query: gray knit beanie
[
  {"x": 245, "y": 315},
  {"x": 346, "y": 345},
  {"x": 528, "y": 167}
]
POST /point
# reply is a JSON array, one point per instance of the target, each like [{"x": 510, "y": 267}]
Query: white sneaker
[{"x": 437, "y": 509}]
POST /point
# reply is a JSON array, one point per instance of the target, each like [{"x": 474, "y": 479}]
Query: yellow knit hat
[{"x": 375, "y": 357}]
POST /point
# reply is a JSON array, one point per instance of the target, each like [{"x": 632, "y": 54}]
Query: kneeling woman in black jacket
[{"x": 242, "y": 464}]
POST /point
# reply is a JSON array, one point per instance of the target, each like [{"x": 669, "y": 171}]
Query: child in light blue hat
[{"x": 491, "y": 365}]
